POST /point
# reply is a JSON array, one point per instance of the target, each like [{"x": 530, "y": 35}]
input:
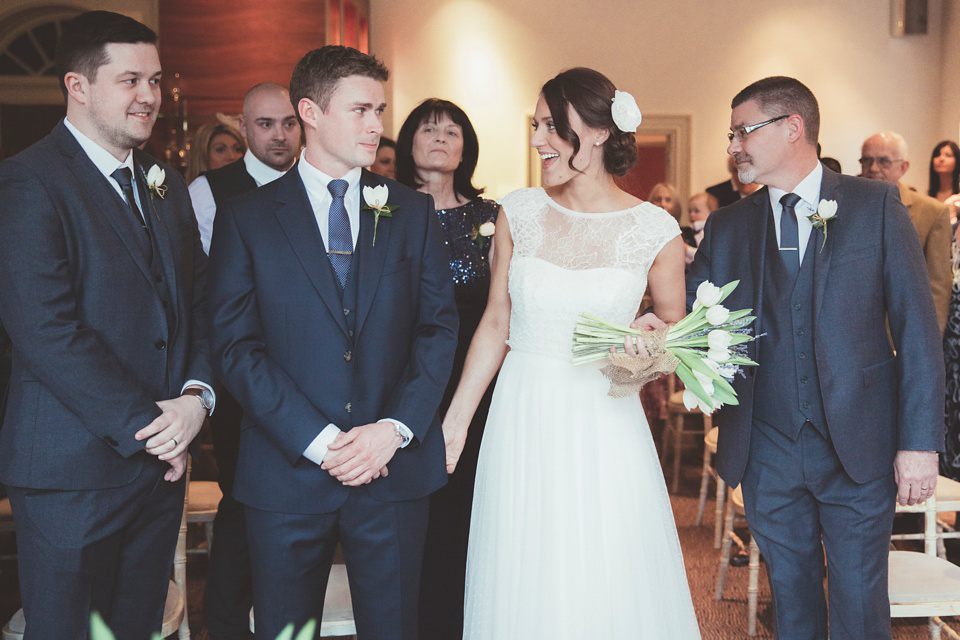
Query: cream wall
[{"x": 686, "y": 56}]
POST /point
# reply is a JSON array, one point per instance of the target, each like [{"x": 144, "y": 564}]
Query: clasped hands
[
  {"x": 170, "y": 433},
  {"x": 359, "y": 456}
]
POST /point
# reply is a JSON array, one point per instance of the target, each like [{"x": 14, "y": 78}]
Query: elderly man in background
[
  {"x": 884, "y": 157},
  {"x": 272, "y": 132}
]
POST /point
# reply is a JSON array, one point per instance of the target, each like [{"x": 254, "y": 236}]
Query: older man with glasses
[{"x": 884, "y": 157}]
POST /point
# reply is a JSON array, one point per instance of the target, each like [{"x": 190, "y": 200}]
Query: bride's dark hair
[{"x": 590, "y": 93}]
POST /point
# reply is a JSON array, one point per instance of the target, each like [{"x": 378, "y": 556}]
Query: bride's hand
[
  {"x": 454, "y": 439},
  {"x": 635, "y": 347}
]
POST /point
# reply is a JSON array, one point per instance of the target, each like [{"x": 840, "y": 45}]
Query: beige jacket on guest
[{"x": 932, "y": 221}]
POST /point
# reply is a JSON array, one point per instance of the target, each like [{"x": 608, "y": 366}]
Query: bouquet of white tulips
[{"x": 709, "y": 345}]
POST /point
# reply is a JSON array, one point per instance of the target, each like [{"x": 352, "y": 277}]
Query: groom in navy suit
[
  {"x": 335, "y": 331},
  {"x": 834, "y": 423}
]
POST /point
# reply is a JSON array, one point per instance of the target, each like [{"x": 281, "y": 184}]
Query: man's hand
[
  {"x": 172, "y": 431},
  {"x": 178, "y": 464},
  {"x": 916, "y": 475},
  {"x": 360, "y": 455}
]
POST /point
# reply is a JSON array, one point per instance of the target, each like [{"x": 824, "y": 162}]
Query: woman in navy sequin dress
[{"x": 437, "y": 152}]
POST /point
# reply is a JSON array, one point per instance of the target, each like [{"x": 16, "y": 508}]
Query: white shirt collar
[
  {"x": 102, "y": 159},
  {"x": 260, "y": 172},
  {"x": 316, "y": 181},
  {"x": 808, "y": 190}
]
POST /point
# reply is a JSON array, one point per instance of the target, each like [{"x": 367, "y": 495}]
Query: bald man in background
[
  {"x": 884, "y": 157},
  {"x": 272, "y": 133}
]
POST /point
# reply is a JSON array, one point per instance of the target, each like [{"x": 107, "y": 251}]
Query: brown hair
[
  {"x": 780, "y": 95},
  {"x": 590, "y": 93},
  {"x": 317, "y": 74}
]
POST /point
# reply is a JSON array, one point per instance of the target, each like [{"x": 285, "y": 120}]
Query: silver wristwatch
[{"x": 204, "y": 395}]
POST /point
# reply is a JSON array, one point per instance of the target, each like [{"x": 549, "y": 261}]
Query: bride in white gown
[{"x": 572, "y": 535}]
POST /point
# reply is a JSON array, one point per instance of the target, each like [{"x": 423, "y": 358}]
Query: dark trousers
[
  {"x": 383, "y": 548},
  {"x": 228, "y": 594},
  {"x": 796, "y": 494},
  {"x": 106, "y": 550}
]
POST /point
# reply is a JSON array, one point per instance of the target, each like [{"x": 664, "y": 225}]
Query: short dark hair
[
  {"x": 317, "y": 74},
  {"x": 590, "y": 93},
  {"x": 432, "y": 109},
  {"x": 82, "y": 44},
  {"x": 935, "y": 177},
  {"x": 780, "y": 95}
]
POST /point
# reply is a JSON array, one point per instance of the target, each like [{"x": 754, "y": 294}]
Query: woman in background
[
  {"x": 214, "y": 146},
  {"x": 437, "y": 151},
  {"x": 386, "y": 162},
  {"x": 945, "y": 176}
]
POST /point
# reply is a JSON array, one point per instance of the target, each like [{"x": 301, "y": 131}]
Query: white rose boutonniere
[
  {"x": 482, "y": 233},
  {"x": 626, "y": 113},
  {"x": 376, "y": 199},
  {"x": 826, "y": 212},
  {"x": 155, "y": 178}
]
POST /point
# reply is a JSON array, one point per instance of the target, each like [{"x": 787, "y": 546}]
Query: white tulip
[
  {"x": 705, "y": 381},
  {"x": 827, "y": 209},
  {"x": 717, "y": 315},
  {"x": 376, "y": 197},
  {"x": 690, "y": 400},
  {"x": 719, "y": 339},
  {"x": 708, "y": 294},
  {"x": 718, "y": 355},
  {"x": 155, "y": 177}
]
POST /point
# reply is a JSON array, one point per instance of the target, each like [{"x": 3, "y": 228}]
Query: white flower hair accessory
[{"x": 626, "y": 113}]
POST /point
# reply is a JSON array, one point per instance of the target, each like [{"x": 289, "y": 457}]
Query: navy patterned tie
[
  {"x": 790, "y": 235},
  {"x": 340, "y": 240},
  {"x": 124, "y": 178}
]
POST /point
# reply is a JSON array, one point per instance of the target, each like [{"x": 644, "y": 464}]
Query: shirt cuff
[
  {"x": 317, "y": 449},
  {"x": 407, "y": 434},
  {"x": 198, "y": 383}
]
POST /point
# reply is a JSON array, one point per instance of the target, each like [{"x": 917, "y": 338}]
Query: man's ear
[
  {"x": 309, "y": 112},
  {"x": 243, "y": 128},
  {"x": 78, "y": 87}
]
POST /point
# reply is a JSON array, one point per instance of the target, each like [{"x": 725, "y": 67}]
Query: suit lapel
[
  {"x": 160, "y": 215},
  {"x": 829, "y": 190},
  {"x": 296, "y": 217},
  {"x": 108, "y": 203},
  {"x": 369, "y": 257},
  {"x": 761, "y": 215}
]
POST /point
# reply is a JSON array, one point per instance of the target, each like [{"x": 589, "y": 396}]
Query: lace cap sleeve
[
  {"x": 658, "y": 225},
  {"x": 521, "y": 208}
]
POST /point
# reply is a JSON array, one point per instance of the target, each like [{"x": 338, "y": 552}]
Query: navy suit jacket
[
  {"x": 282, "y": 347},
  {"x": 870, "y": 273},
  {"x": 92, "y": 348}
]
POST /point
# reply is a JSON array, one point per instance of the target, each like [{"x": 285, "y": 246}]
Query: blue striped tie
[
  {"x": 790, "y": 235},
  {"x": 340, "y": 239}
]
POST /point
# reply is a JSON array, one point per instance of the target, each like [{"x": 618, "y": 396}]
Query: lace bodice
[{"x": 566, "y": 262}]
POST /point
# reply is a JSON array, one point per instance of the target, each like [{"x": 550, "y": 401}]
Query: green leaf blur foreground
[
  {"x": 707, "y": 342},
  {"x": 100, "y": 631}
]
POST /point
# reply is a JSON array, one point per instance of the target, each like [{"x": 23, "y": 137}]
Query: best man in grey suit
[
  {"x": 101, "y": 291},
  {"x": 832, "y": 425}
]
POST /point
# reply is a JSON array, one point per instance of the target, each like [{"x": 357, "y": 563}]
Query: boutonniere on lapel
[
  {"x": 376, "y": 199},
  {"x": 155, "y": 186},
  {"x": 481, "y": 233},
  {"x": 826, "y": 212}
]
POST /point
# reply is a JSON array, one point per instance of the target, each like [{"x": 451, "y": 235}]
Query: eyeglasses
[
  {"x": 740, "y": 133},
  {"x": 883, "y": 162}
]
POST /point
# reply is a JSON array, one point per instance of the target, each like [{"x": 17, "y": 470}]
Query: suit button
[
  {"x": 160, "y": 345},
  {"x": 346, "y": 312},
  {"x": 802, "y": 356},
  {"x": 348, "y": 407},
  {"x": 348, "y": 356},
  {"x": 803, "y": 379},
  {"x": 799, "y": 332},
  {"x": 158, "y": 278},
  {"x": 797, "y": 306},
  {"x": 350, "y": 332},
  {"x": 806, "y": 405},
  {"x": 110, "y": 440}
]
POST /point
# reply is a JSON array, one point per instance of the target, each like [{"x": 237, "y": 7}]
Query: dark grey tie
[
  {"x": 124, "y": 177},
  {"x": 790, "y": 235},
  {"x": 340, "y": 239}
]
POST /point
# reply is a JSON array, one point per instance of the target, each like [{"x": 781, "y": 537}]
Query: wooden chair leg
[
  {"x": 718, "y": 522},
  {"x": 704, "y": 481},
  {"x": 752, "y": 588},
  {"x": 677, "y": 451},
  {"x": 180, "y": 573},
  {"x": 208, "y": 529},
  {"x": 724, "y": 553}
]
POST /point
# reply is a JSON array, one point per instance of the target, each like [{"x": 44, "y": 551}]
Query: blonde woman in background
[{"x": 214, "y": 146}]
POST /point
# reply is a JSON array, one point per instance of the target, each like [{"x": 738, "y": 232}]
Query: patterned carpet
[{"x": 719, "y": 620}]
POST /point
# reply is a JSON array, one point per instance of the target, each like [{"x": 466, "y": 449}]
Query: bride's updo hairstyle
[{"x": 590, "y": 93}]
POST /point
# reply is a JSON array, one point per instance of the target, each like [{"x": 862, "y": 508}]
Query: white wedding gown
[{"x": 572, "y": 535}]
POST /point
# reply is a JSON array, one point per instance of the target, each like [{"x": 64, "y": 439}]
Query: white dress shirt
[
  {"x": 315, "y": 182},
  {"x": 809, "y": 192},
  {"x": 205, "y": 207},
  {"x": 106, "y": 163}
]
